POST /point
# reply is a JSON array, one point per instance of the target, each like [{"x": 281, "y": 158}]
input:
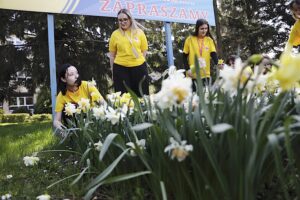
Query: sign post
[
  {"x": 52, "y": 62},
  {"x": 169, "y": 46}
]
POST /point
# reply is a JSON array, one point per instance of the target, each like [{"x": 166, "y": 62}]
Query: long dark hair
[
  {"x": 291, "y": 6},
  {"x": 199, "y": 23},
  {"x": 62, "y": 86}
]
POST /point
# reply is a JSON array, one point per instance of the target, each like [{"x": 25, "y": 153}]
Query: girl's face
[
  {"x": 296, "y": 10},
  {"x": 71, "y": 76},
  {"x": 124, "y": 21},
  {"x": 202, "y": 31}
]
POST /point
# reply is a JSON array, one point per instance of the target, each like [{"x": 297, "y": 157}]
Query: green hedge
[
  {"x": 41, "y": 117},
  {"x": 1, "y": 114},
  {"x": 24, "y": 117},
  {"x": 11, "y": 118}
]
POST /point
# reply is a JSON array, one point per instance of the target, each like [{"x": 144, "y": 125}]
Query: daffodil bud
[{"x": 255, "y": 58}]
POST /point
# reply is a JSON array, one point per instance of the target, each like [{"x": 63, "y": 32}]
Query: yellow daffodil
[{"x": 288, "y": 73}]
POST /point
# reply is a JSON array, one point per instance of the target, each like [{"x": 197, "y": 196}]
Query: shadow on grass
[{"x": 18, "y": 140}]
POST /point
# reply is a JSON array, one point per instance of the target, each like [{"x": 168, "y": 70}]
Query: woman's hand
[
  {"x": 57, "y": 120},
  {"x": 58, "y": 125},
  {"x": 189, "y": 73}
]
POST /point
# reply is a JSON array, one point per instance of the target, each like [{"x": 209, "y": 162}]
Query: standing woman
[
  {"x": 294, "y": 38},
  {"x": 200, "y": 43},
  {"x": 128, "y": 47}
]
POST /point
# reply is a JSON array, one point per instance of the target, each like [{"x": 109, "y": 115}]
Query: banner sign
[{"x": 184, "y": 11}]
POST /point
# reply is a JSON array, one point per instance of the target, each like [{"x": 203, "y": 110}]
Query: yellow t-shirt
[
  {"x": 128, "y": 47},
  {"x": 194, "y": 46},
  {"x": 85, "y": 90},
  {"x": 294, "y": 39}
]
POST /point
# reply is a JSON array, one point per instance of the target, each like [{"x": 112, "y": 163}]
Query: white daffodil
[
  {"x": 258, "y": 81},
  {"x": 126, "y": 110},
  {"x": 233, "y": 76},
  {"x": 9, "y": 176},
  {"x": 70, "y": 109},
  {"x": 44, "y": 197},
  {"x": 98, "y": 146},
  {"x": 84, "y": 104},
  {"x": 297, "y": 95},
  {"x": 6, "y": 197},
  {"x": 114, "y": 115},
  {"x": 92, "y": 83},
  {"x": 194, "y": 99},
  {"x": 139, "y": 143},
  {"x": 175, "y": 90},
  {"x": 99, "y": 112},
  {"x": 114, "y": 97},
  {"x": 152, "y": 114},
  {"x": 30, "y": 160},
  {"x": 174, "y": 73},
  {"x": 178, "y": 150}
]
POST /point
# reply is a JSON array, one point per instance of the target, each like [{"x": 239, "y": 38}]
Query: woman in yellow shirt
[
  {"x": 201, "y": 44},
  {"x": 128, "y": 46},
  {"x": 71, "y": 89},
  {"x": 294, "y": 38}
]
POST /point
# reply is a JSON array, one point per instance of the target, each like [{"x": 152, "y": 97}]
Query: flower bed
[{"x": 226, "y": 141}]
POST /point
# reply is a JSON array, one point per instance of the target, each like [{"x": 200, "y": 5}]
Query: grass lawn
[{"x": 23, "y": 139}]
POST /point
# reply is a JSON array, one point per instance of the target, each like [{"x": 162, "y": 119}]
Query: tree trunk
[{"x": 218, "y": 30}]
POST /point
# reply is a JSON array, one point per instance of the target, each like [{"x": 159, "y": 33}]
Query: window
[
  {"x": 29, "y": 100},
  {"x": 21, "y": 101},
  {"x": 13, "y": 101}
]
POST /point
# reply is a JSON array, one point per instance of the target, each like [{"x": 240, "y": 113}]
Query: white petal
[
  {"x": 220, "y": 128},
  {"x": 142, "y": 126}
]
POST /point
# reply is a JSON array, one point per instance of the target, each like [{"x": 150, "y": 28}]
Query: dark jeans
[
  {"x": 205, "y": 81},
  {"x": 131, "y": 77}
]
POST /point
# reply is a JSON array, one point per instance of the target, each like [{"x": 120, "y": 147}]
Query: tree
[{"x": 253, "y": 26}]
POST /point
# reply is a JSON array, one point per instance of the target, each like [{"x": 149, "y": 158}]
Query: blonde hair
[{"x": 135, "y": 26}]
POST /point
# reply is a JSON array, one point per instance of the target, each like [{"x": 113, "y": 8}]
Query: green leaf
[
  {"x": 273, "y": 141},
  {"x": 114, "y": 180},
  {"x": 61, "y": 180},
  {"x": 163, "y": 190},
  {"x": 85, "y": 154},
  {"x": 107, "y": 171},
  {"x": 80, "y": 175},
  {"x": 106, "y": 144},
  {"x": 125, "y": 177},
  {"x": 89, "y": 194}
]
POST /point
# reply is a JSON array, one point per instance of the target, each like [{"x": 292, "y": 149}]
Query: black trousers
[
  {"x": 205, "y": 81},
  {"x": 131, "y": 77}
]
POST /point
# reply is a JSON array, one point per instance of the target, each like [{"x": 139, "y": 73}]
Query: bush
[
  {"x": 40, "y": 117},
  {"x": 1, "y": 114},
  {"x": 12, "y": 118},
  {"x": 24, "y": 117}
]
